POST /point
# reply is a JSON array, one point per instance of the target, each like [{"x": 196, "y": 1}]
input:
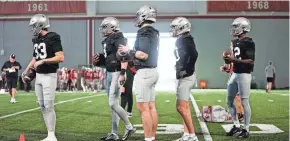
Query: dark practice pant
[{"x": 127, "y": 96}]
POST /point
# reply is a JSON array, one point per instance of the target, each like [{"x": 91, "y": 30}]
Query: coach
[{"x": 11, "y": 68}]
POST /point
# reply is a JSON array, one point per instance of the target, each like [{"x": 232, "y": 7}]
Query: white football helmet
[
  {"x": 145, "y": 13},
  {"x": 179, "y": 26},
  {"x": 240, "y": 26},
  {"x": 108, "y": 26},
  {"x": 39, "y": 22}
]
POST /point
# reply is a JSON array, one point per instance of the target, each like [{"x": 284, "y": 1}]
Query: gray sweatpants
[
  {"x": 240, "y": 83},
  {"x": 45, "y": 87},
  {"x": 114, "y": 95}
]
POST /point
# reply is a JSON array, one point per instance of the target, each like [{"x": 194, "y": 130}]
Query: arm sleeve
[
  {"x": 56, "y": 44},
  {"x": 274, "y": 69},
  {"x": 144, "y": 44}
]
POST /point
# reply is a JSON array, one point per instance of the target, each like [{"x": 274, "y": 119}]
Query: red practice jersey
[{"x": 60, "y": 75}]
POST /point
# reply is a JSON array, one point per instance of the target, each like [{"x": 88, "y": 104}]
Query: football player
[
  {"x": 74, "y": 77},
  {"x": 87, "y": 78},
  {"x": 83, "y": 78},
  {"x": 110, "y": 29},
  {"x": 186, "y": 56},
  {"x": 95, "y": 79},
  {"x": 243, "y": 58},
  {"x": 99, "y": 78},
  {"x": 47, "y": 55},
  {"x": 146, "y": 57}
]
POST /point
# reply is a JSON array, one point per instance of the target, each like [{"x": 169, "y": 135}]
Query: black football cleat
[
  {"x": 110, "y": 137},
  {"x": 128, "y": 133},
  {"x": 244, "y": 134},
  {"x": 234, "y": 131},
  {"x": 104, "y": 137}
]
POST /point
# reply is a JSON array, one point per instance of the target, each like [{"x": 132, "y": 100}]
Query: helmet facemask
[{"x": 236, "y": 30}]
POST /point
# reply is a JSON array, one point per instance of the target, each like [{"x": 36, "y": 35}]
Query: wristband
[
  {"x": 132, "y": 53},
  {"x": 123, "y": 71}
]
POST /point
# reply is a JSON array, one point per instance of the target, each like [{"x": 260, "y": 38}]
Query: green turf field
[{"x": 86, "y": 117}]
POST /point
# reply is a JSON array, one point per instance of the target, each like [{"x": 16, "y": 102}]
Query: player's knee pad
[{"x": 47, "y": 106}]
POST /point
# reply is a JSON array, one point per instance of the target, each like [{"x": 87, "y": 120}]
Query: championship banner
[
  {"x": 13, "y": 7},
  {"x": 248, "y": 6}
]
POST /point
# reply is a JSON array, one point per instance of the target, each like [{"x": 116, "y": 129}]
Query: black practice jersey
[
  {"x": 186, "y": 55},
  {"x": 110, "y": 46},
  {"x": 45, "y": 47},
  {"x": 11, "y": 74},
  {"x": 243, "y": 49},
  {"x": 147, "y": 41}
]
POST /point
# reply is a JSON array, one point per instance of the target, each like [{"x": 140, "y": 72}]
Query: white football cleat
[
  {"x": 50, "y": 139},
  {"x": 12, "y": 100}
]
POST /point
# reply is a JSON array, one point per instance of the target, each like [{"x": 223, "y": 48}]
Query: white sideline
[
  {"x": 203, "y": 126},
  {"x": 61, "y": 102}
]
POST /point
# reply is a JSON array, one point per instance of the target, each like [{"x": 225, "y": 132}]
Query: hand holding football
[
  {"x": 225, "y": 55},
  {"x": 28, "y": 75}
]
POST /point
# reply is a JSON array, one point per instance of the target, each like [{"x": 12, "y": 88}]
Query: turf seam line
[
  {"x": 203, "y": 126},
  {"x": 61, "y": 102}
]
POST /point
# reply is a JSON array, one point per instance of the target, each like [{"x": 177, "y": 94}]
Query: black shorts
[
  {"x": 270, "y": 79},
  {"x": 11, "y": 83}
]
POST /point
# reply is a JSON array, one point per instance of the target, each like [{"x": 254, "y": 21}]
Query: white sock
[
  {"x": 50, "y": 134},
  {"x": 247, "y": 128},
  {"x": 192, "y": 135},
  {"x": 153, "y": 138},
  {"x": 129, "y": 126},
  {"x": 148, "y": 139},
  {"x": 237, "y": 123},
  {"x": 185, "y": 134}
]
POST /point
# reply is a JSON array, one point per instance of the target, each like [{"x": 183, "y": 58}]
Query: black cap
[{"x": 12, "y": 56}]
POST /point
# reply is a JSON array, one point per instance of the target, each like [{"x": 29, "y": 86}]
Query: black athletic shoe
[
  {"x": 128, "y": 133},
  {"x": 244, "y": 134},
  {"x": 109, "y": 137},
  {"x": 234, "y": 131},
  {"x": 104, "y": 137}
]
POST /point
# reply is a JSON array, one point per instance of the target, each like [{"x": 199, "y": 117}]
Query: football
[
  {"x": 98, "y": 59},
  {"x": 29, "y": 75},
  {"x": 226, "y": 53}
]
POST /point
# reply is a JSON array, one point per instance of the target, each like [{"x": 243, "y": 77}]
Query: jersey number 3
[
  {"x": 40, "y": 51},
  {"x": 237, "y": 52}
]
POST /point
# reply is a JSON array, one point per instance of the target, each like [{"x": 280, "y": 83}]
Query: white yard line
[
  {"x": 203, "y": 126},
  {"x": 61, "y": 102}
]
